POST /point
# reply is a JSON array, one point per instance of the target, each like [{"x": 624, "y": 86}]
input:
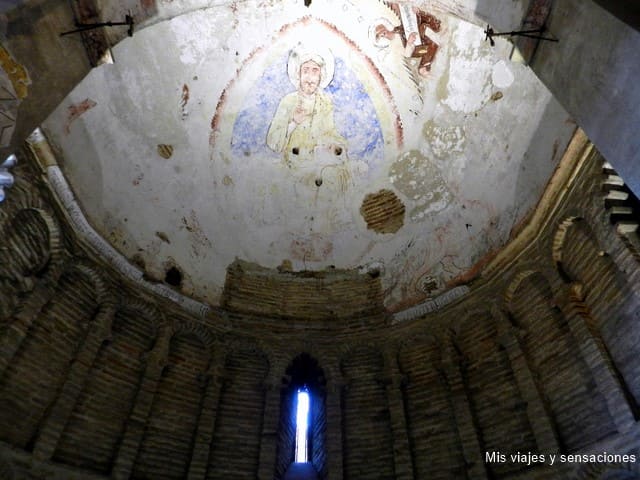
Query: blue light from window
[
  {"x": 302, "y": 421},
  {"x": 6, "y": 179}
]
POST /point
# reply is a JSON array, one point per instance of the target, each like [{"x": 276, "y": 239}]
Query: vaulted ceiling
[{"x": 418, "y": 164}]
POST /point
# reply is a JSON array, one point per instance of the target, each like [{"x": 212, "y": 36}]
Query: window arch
[{"x": 304, "y": 380}]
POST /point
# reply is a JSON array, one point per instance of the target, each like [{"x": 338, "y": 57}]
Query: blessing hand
[{"x": 299, "y": 115}]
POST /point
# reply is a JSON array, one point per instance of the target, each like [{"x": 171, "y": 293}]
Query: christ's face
[{"x": 310, "y": 73}]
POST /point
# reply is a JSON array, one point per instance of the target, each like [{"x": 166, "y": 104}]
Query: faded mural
[
  {"x": 324, "y": 115},
  {"x": 414, "y": 32},
  {"x": 347, "y": 134},
  {"x": 320, "y": 118}
]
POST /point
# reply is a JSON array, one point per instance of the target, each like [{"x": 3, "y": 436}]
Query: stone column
[
  {"x": 207, "y": 419},
  {"x": 333, "y": 405},
  {"x": 401, "y": 452},
  {"x": 134, "y": 430},
  {"x": 595, "y": 355},
  {"x": 545, "y": 434},
  {"x": 467, "y": 431},
  {"x": 99, "y": 331},
  {"x": 270, "y": 420}
]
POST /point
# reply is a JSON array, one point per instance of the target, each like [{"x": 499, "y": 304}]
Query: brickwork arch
[
  {"x": 91, "y": 437},
  {"x": 610, "y": 306},
  {"x": 431, "y": 425},
  {"x": 280, "y": 356},
  {"x": 365, "y": 414},
  {"x": 531, "y": 292},
  {"x": 353, "y": 347},
  {"x": 549, "y": 348},
  {"x": 145, "y": 309},
  {"x": 486, "y": 369},
  {"x": 31, "y": 249},
  {"x": 515, "y": 284},
  {"x": 622, "y": 207},
  {"x": 274, "y": 363},
  {"x": 23, "y": 195},
  {"x": 559, "y": 238},
  {"x": 166, "y": 448},
  {"x": 101, "y": 289},
  {"x": 195, "y": 329},
  {"x": 41, "y": 362},
  {"x": 303, "y": 370},
  {"x": 235, "y": 449}
]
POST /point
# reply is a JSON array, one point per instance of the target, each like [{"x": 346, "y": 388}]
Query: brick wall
[
  {"x": 236, "y": 441},
  {"x": 90, "y": 438},
  {"x": 168, "y": 441},
  {"x": 99, "y": 379},
  {"x": 367, "y": 426},
  {"x": 578, "y": 412},
  {"x": 435, "y": 446}
]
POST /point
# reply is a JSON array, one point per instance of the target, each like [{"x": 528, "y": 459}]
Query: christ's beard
[{"x": 309, "y": 88}]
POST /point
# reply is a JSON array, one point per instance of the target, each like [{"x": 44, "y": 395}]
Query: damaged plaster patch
[
  {"x": 194, "y": 46},
  {"x": 184, "y": 100},
  {"x": 200, "y": 240},
  {"x": 163, "y": 236},
  {"x": 444, "y": 141},
  {"x": 173, "y": 276},
  {"x": 469, "y": 71},
  {"x": 383, "y": 211},
  {"x": 501, "y": 75},
  {"x": 428, "y": 284},
  {"x": 165, "y": 151},
  {"x": 420, "y": 180},
  {"x": 74, "y": 111},
  {"x": 313, "y": 247}
]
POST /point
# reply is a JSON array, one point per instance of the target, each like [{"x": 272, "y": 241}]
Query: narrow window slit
[{"x": 302, "y": 425}]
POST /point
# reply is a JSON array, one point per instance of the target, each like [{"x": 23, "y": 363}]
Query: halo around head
[{"x": 304, "y": 53}]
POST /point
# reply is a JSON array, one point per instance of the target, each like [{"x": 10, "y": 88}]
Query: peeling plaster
[
  {"x": 442, "y": 143},
  {"x": 501, "y": 75},
  {"x": 469, "y": 71},
  {"x": 421, "y": 182},
  {"x": 74, "y": 111},
  {"x": 165, "y": 151}
]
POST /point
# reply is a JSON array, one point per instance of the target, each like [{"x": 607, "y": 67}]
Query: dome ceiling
[{"x": 306, "y": 138}]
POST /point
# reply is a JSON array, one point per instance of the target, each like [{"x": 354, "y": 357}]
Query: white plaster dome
[{"x": 421, "y": 176}]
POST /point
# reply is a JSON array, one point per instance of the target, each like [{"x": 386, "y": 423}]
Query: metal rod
[
  {"x": 536, "y": 34},
  {"x": 83, "y": 27}
]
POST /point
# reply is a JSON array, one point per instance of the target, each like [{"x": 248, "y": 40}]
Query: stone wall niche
[
  {"x": 498, "y": 408},
  {"x": 612, "y": 306},
  {"x": 433, "y": 438},
  {"x": 579, "y": 412},
  {"x": 96, "y": 426},
  {"x": 235, "y": 449},
  {"x": 368, "y": 443},
  {"x": 32, "y": 380},
  {"x": 167, "y": 445}
]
